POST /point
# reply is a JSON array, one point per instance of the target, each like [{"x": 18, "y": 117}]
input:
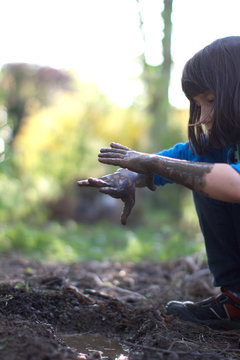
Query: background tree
[
  {"x": 163, "y": 132},
  {"x": 157, "y": 80},
  {"x": 26, "y": 88}
]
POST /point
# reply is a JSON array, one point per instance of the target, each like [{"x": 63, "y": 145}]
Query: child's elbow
[
  {"x": 236, "y": 196},
  {"x": 235, "y": 189}
]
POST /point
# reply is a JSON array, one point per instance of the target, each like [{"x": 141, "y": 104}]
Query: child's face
[{"x": 206, "y": 102}]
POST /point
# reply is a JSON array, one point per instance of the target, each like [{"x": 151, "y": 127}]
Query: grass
[{"x": 101, "y": 241}]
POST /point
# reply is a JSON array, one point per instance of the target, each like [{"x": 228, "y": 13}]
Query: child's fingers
[
  {"x": 97, "y": 182},
  {"x": 111, "y": 155},
  {"x": 94, "y": 182},
  {"x": 110, "y": 161},
  {"x": 118, "y": 146},
  {"x": 109, "y": 190},
  {"x": 150, "y": 182},
  {"x": 112, "y": 151},
  {"x": 83, "y": 183}
]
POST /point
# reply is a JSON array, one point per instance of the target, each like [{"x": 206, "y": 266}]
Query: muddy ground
[{"x": 40, "y": 302}]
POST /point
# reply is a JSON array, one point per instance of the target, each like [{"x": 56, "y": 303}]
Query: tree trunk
[{"x": 157, "y": 79}]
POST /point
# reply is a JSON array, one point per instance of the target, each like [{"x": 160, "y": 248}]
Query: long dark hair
[{"x": 215, "y": 68}]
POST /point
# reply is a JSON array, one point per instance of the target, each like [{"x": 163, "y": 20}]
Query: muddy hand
[
  {"x": 125, "y": 157},
  {"x": 119, "y": 185}
]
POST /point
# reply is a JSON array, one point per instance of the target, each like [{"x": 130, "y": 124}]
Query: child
[{"x": 209, "y": 165}]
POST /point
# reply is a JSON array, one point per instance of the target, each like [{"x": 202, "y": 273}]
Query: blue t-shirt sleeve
[
  {"x": 236, "y": 166},
  {"x": 180, "y": 151}
]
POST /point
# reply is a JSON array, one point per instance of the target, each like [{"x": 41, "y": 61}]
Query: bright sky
[{"x": 101, "y": 40}]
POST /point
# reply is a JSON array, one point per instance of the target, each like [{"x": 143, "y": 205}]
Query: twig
[
  {"x": 120, "y": 291},
  {"x": 178, "y": 352}
]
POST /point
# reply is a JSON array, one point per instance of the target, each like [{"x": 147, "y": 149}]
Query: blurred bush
[
  {"x": 55, "y": 126},
  {"x": 52, "y": 126},
  {"x": 103, "y": 241},
  {"x": 61, "y": 142}
]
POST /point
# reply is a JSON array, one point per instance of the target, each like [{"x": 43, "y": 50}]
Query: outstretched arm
[{"x": 219, "y": 181}]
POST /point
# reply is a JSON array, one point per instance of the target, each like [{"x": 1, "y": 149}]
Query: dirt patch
[{"x": 40, "y": 302}]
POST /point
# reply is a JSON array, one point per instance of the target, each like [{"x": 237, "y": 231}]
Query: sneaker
[{"x": 220, "y": 312}]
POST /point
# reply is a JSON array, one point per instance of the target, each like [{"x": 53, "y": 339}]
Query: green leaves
[{"x": 103, "y": 241}]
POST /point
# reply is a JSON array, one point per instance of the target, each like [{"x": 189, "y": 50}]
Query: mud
[{"x": 42, "y": 305}]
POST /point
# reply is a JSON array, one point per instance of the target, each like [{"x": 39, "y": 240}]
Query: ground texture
[{"x": 40, "y": 302}]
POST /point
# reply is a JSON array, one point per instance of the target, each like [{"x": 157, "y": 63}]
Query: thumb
[{"x": 150, "y": 182}]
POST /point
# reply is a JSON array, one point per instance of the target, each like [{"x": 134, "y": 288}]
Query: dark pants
[{"x": 220, "y": 225}]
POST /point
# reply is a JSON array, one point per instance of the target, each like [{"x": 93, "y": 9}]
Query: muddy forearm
[{"x": 186, "y": 173}]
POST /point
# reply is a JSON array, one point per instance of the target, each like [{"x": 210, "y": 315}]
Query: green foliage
[
  {"x": 19, "y": 199},
  {"x": 103, "y": 241},
  {"x": 65, "y": 138},
  {"x": 58, "y": 143},
  {"x": 23, "y": 285}
]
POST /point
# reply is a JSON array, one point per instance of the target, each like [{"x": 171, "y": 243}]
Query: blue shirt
[{"x": 182, "y": 151}]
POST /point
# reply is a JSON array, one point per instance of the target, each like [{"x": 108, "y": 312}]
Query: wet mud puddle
[{"x": 87, "y": 343}]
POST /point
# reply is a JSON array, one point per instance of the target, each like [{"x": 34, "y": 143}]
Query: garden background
[{"x": 54, "y": 120}]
